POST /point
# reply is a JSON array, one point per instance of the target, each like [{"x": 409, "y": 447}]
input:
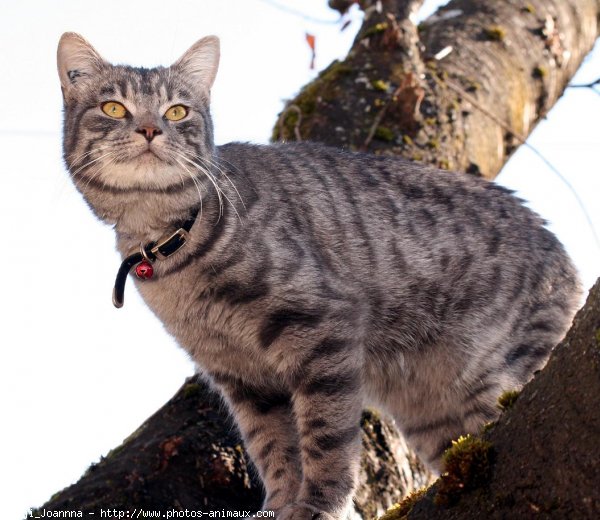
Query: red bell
[{"x": 144, "y": 270}]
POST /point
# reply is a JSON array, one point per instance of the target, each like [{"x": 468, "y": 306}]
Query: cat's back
[
  {"x": 389, "y": 199},
  {"x": 430, "y": 246}
]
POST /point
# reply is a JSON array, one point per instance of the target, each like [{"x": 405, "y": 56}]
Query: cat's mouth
[{"x": 148, "y": 153}]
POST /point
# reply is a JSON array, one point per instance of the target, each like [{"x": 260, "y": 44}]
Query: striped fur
[{"x": 317, "y": 281}]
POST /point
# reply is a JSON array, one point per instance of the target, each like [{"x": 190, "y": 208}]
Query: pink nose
[{"x": 148, "y": 131}]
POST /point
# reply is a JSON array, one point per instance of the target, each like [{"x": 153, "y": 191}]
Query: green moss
[
  {"x": 115, "y": 451},
  {"x": 375, "y": 29},
  {"x": 508, "y": 399},
  {"x": 444, "y": 164},
  {"x": 417, "y": 157},
  {"x": 370, "y": 415},
  {"x": 528, "y": 8},
  {"x": 488, "y": 426},
  {"x": 430, "y": 121},
  {"x": 324, "y": 87},
  {"x": 56, "y": 496},
  {"x": 401, "y": 510},
  {"x": 598, "y": 337},
  {"x": 495, "y": 33},
  {"x": 91, "y": 468},
  {"x": 383, "y": 133},
  {"x": 433, "y": 143},
  {"x": 473, "y": 86},
  {"x": 379, "y": 84},
  {"x": 407, "y": 140},
  {"x": 191, "y": 390},
  {"x": 540, "y": 72},
  {"x": 466, "y": 466}
]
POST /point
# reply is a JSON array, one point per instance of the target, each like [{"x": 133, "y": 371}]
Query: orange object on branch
[{"x": 311, "y": 39}]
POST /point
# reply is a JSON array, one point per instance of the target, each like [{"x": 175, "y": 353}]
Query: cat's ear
[
  {"x": 201, "y": 62},
  {"x": 76, "y": 60}
]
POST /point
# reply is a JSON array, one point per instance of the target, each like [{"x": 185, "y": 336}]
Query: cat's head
[{"x": 134, "y": 128}]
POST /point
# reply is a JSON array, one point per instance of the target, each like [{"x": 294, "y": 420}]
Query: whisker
[
  {"x": 214, "y": 181},
  {"x": 92, "y": 162},
  {"x": 214, "y": 164},
  {"x": 209, "y": 176},
  {"x": 66, "y": 180},
  {"x": 99, "y": 168},
  {"x": 194, "y": 180},
  {"x": 85, "y": 154}
]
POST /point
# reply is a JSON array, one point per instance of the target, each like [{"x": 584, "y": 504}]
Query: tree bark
[{"x": 460, "y": 91}]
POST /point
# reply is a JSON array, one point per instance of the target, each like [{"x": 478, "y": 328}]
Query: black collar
[{"x": 151, "y": 252}]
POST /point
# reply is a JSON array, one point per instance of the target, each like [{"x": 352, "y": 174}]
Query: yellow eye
[
  {"x": 175, "y": 113},
  {"x": 114, "y": 109}
]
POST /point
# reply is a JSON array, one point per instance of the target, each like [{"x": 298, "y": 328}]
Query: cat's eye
[
  {"x": 114, "y": 109},
  {"x": 175, "y": 113}
]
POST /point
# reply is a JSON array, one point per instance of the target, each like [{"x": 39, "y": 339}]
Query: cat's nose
[{"x": 148, "y": 131}]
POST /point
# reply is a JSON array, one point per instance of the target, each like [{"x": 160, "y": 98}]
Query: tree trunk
[{"x": 459, "y": 93}]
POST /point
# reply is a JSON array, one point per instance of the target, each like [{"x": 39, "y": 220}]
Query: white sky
[{"x": 76, "y": 375}]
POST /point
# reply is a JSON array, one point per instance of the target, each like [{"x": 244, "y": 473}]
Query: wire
[
  {"x": 588, "y": 85},
  {"x": 299, "y": 14},
  {"x": 23, "y": 133},
  {"x": 571, "y": 189},
  {"x": 523, "y": 141}
]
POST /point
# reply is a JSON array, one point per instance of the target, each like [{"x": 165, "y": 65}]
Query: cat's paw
[{"x": 303, "y": 512}]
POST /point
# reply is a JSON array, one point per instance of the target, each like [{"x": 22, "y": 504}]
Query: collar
[{"x": 149, "y": 253}]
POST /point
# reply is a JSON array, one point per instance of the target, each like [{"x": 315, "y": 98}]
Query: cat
[{"x": 308, "y": 282}]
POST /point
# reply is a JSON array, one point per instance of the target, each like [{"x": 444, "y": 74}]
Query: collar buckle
[
  {"x": 162, "y": 249},
  {"x": 170, "y": 245}
]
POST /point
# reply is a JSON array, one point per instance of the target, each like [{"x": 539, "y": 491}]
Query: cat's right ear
[
  {"x": 76, "y": 60},
  {"x": 201, "y": 62}
]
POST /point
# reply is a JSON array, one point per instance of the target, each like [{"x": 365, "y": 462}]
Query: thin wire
[
  {"x": 23, "y": 133},
  {"x": 299, "y": 14},
  {"x": 523, "y": 141},
  {"x": 590, "y": 86},
  {"x": 586, "y": 85},
  {"x": 571, "y": 189}
]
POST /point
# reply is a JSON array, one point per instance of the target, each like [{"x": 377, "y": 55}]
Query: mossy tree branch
[{"x": 512, "y": 58}]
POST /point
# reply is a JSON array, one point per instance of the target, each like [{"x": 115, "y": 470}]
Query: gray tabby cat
[{"x": 310, "y": 282}]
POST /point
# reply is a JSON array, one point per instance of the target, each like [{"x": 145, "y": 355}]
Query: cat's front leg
[
  {"x": 265, "y": 419},
  {"x": 327, "y": 405}
]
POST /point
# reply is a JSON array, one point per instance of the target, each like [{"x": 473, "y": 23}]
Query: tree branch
[{"x": 514, "y": 60}]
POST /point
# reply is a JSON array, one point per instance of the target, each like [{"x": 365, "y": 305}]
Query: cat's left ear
[
  {"x": 76, "y": 60},
  {"x": 201, "y": 62}
]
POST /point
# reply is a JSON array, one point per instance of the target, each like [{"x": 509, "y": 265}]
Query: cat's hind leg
[{"x": 439, "y": 400}]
